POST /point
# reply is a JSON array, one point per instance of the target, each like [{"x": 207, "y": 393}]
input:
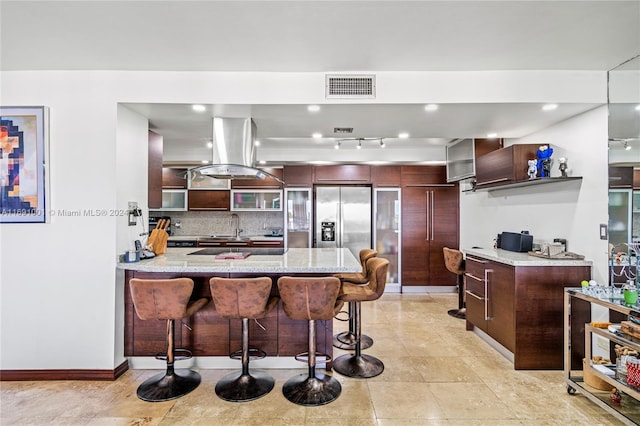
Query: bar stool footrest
[
  {"x": 254, "y": 354},
  {"x": 178, "y": 355}
]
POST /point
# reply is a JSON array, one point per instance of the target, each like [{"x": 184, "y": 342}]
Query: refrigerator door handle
[
  {"x": 340, "y": 224},
  {"x": 433, "y": 203}
]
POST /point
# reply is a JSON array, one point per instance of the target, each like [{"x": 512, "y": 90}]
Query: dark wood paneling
[
  {"x": 204, "y": 199},
  {"x": 154, "y": 197},
  {"x": 348, "y": 173},
  {"x": 39, "y": 375},
  {"x": 171, "y": 180},
  {"x": 298, "y": 175},
  {"x": 501, "y": 327},
  {"x": 484, "y": 146},
  {"x": 636, "y": 179},
  {"x": 386, "y": 176},
  {"x": 268, "y": 183}
]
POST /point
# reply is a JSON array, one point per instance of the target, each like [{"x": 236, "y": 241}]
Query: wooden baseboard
[{"x": 35, "y": 375}]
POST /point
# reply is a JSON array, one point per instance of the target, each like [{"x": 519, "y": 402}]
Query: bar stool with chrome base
[
  {"x": 244, "y": 298},
  {"x": 311, "y": 299},
  {"x": 454, "y": 261},
  {"x": 347, "y": 339},
  {"x": 168, "y": 300},
  {"x": 358, "y": 365}
]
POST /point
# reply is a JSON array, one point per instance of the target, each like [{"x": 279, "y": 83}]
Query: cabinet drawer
[
  {"x": 474, "y": 284},
  {"x": 475, "y": 266}
]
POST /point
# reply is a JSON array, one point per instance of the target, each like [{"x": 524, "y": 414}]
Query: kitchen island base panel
[{"x": 219, "y": 363}]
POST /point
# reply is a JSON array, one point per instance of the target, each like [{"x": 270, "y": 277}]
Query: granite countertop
[
  {"x": 294, "y": 260},
  {"x": 522, "y": 259}
]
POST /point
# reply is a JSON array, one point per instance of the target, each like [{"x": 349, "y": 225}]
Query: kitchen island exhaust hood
[{"x": 233, "y": 151}]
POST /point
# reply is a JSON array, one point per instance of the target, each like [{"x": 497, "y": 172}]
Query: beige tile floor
[{"x": 436, "y": 373}]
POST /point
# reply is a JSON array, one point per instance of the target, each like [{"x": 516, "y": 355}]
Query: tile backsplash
[{"x": 209, "y": 222}]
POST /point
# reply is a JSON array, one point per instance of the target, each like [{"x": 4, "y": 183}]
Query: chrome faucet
[{"x": 236, "y": 218}]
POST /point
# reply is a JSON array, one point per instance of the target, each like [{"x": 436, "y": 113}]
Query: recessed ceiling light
[
  {"x": 199, "y": 108},
  {"x": 431, "y": 107},
  {"x": 262, "y": 162},
  {"x": 313, "y": 108},
  {"x": 209, "y": 144},
  {"x": 256, "y": 142},
  {"x": 205, "y": 162},
  {"x": 403, "y": 135},
  {"x": 637, "y": 107},
  {"x": 492, "y": 135},
  {"x": 316, "y": 135},
  {"x": 549, "y": 107}
]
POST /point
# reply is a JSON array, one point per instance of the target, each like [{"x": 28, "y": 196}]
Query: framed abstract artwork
[{"x": 23, "y": 151}]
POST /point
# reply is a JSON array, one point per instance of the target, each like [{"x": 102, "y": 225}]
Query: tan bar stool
[
  {"x": 454, "y": 261},
  {"x": 311, "y": 299},
  {"x": 245, "y": 299},
  {"x": 358, "y": 365},
  {"x": 166, "y": 300},
  {"x": 347, "y": 339}
]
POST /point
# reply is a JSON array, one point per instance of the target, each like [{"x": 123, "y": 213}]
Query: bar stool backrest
[
  {"x": 377, "y": 268},
  {"x": 310, "y": 298},
  {"x": 242, "y": 297},
  {"x": 366, "y": 254},
  {"x": 162, "y": 299},
  {"x": 453, "y": 260}
]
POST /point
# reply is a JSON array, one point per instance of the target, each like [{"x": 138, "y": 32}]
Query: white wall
[
  {"x": 571, "y": 210},
  {"x": 61, "y": 299}
]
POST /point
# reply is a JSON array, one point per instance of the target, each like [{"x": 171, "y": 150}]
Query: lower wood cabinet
[
  {"x": 521, "y": 307},
  {"x": 212, "y": 335}
]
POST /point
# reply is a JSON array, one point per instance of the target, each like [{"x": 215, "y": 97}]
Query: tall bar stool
[
  {"x": 311, "y": 299},
  {"x": 243, "y": 298},
  {"x": 167, "y": 300},
  {"x": 358, "y": 365},
  {"x": 454, "y": 262},
  {"x": 347, "y": 339}
]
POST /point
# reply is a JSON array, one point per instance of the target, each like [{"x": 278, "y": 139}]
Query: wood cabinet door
[
  {"x": 298, "y": 175},
  {"x": 154, "y": 172},
  {"x": 171, "y": 178},
  {"x": 504, "y": 165},
  {"x": 343, "y": 173},
  {"x": 385, "y": 176},
  {"x": 501, "y": 290},
  {"x": 202, "y": 199},
  {"x": 415, "y": 245},
  {"x": 444, "y": 218}
]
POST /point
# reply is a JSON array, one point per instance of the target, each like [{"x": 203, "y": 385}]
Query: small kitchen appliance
[{"x": 518, "y": 242}]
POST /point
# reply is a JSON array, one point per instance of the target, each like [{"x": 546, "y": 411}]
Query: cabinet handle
[
  {"x": 475, "y": 259},
  {"x": 237, "y": 244},
  {"x": 487, "y": 182},
  {"x": 433, "y": 203},
  {"x": 209, "y": 244},
  {"x": 427, "y": 218},
  {"x": 265, "y": 243},
  {"x": 487, "y": 317},
  {"x": 469, "y": 275},
  {"x": 474, "y": 295}
]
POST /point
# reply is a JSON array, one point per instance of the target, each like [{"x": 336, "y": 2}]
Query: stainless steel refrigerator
[{"x": 343, "y": 217}]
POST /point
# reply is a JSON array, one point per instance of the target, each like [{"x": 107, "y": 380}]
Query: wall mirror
[{"x": 624, "y": 169}]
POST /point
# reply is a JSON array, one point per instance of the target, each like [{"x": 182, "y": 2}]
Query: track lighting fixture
[
  {"x": 359, "y": 144},
  {"x": 382, "y": 145},
  {"x": 337, "y": 145}
]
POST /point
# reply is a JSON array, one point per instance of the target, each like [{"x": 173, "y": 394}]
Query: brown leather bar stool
[
  {"x": 358, "y": 365},
  {"x": 167, "y": 300},
  {"x": 454, "y": 261},
  {"x": 245, "y": 299},
  {"x": 347, "y": 339},
  {"x": 311, "y": 299}
]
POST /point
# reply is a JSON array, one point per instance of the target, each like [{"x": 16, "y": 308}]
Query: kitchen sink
[{"x": 252, "y": 250}]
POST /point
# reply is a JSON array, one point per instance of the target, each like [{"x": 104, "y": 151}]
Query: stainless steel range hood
[{"x": 234, "y": 153}]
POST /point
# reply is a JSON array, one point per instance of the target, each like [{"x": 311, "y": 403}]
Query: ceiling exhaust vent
[
  {"x": 343, "y": 130},
  {"x": 350, "y": 86}
]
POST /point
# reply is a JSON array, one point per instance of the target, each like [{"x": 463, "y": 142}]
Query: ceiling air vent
[
  {"x": 343, "y": 130},
  {"x": 350, "y": 86}
]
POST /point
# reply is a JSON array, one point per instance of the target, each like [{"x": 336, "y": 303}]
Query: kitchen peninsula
[
  {"x": 213, "y": 336},
  {"x": 515, "y": 300}
]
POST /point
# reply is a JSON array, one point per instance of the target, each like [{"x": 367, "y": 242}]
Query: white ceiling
[{"x": 326, "y": 36}]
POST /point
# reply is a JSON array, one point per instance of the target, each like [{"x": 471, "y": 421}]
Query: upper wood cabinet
[
  {"x": 154, "y": 167},
  {"x": 209, "y": 199},
  {"x": 636, "y": 179},
  {"x": 505, "y": 165},
  {"x": 385, "y": 176},
  {"x": 343, "y": 173},
  {"x": 298, "y": 175},
  {"x": 260, "y": 183},
  {"x": 621, "y": 177},
  {"x": 415, "y": 175},
  {"x": 171, "y": 178}
]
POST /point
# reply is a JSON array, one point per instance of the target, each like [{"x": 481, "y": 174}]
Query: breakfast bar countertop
[
  {"x": 294, "y": 260},
  {"x": 522, "y": 259}
]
